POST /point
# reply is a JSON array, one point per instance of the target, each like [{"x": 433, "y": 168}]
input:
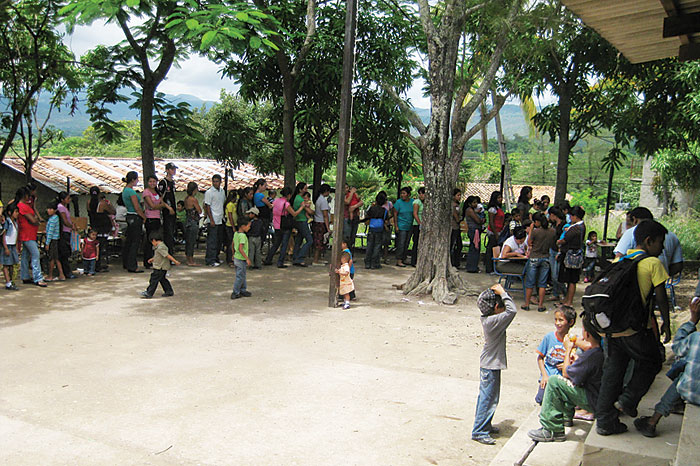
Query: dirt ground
[{"x": 92, "y": 374}]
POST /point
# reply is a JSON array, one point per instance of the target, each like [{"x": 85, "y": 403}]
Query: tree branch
[
  {"x": 462, "y": 141},
  {"x": 410, "y": 114},
  {"x": 428, "y": 26},
  {"x": 308, "y": 40},
  {"x": 139, "y": 51}
]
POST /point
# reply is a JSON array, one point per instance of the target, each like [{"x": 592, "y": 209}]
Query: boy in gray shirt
[{"x": 497, "y": 312}]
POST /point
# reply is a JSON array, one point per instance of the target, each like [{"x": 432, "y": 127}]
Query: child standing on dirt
[
  {"x": 551, "y": 352},
  {"x": 160, "y": 261},
  {"x": 591, "y": 256},
  {"x": 90, "y": 251},
  {"x": 53, "y": 235},
  {"x": 344, "y": 244},
  {"x": 8, "y": 247},
  {"x": 346, "y": 284},
  {"x": 497, "y": 312},
  {"x": 241, "y": 259}
]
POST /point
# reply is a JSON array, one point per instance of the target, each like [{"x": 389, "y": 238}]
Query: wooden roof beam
[
  {"x": 681, "y": 25},
  {"x": 672, "y": 11}
]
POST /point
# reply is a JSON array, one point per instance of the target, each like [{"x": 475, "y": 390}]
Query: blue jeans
[
  {"x": 350, "y": 232},
  {"x": 89, "y": 266},
  {"x": 240, "y": 284},
  {"x": 668, "y": 400},
  {"x": 280, "y": 241},
  {"x": 214, "y": 240},
  {"x": 374, "y": 249},
  {"x": 489, "y": 392},
  {"x": 303, "y": 234},
  {"x": 537, "y": 272},
  {"x": 30, "y": 255},
  {"x": 557, "y": 288},
  {"x": 402, "y": 238}
]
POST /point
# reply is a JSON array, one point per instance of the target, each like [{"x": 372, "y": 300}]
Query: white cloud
[{"x": 195, "y": 76}]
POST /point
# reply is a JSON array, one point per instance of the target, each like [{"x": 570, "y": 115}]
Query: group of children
[
  {"x": 577, "y": 379},
  {"x": 11, "y": 246}
]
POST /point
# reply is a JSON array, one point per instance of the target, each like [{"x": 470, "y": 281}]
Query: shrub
[{"x": 687, "y": 228}]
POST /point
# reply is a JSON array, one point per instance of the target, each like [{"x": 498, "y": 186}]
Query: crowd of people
[{"x": 548, "y": 245}]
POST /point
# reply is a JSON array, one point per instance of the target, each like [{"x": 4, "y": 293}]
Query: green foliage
[
  {"x": 687, "y": 228},
  {"x": 593, "y": 204},
  {"x": 680, "y": 166}
]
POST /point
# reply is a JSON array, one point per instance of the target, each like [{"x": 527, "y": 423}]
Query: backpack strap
[{"x": 636, "y": 256}]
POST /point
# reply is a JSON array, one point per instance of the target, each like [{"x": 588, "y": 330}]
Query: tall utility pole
[{"x": 343, "y": 144}]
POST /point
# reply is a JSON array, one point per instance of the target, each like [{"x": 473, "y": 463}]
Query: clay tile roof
[{"x": 107, "y": 173}]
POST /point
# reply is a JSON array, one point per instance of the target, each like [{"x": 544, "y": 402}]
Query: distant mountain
[
  {"x": 73, "y": 125},
  {"x": 512, "y": 120}
]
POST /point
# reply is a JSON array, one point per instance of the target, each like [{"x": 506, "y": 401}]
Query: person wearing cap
[
  {"x": 166, "y": 189},
  {"x": 255, "y": 237},
  {"x": 497, "y": 312}
]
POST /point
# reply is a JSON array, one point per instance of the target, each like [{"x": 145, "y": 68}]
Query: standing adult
[
  {"x": 474, "y": 226},
  {"x": 351, "y": 215},
  {"x": 245, "y": 202},
  {"x": 99, "y": 209},
  {"x": 193, "y": 213},
  {"x": 135, "y": 217},
  {"x": 456, "y": 230},
  {"x": 263, "y": 204},
  {"x": 403, "y": 223},
  {"x": 572, "y": 244},
  {"x": 230, "y": 222},
  {"x": 282, "y": 222},
  {"x": 386, "y": 243},
  {"x": 28, "y": 227},
  {"x": 214, "y": 200},
  {"x": 322, "y": 220},
  {"x": 417, "y": 220},
  {"x": 524, "y": 205},
  {"x": 67, "y": 227},
  {"x": 153, "y": 204},
  {"x": 497, "y": 219},
  {"x": 301, "y": 224},
  {"x": 32, "y": 187},
  {"x": 540, "y": 239},
  {"x": 166, "y": 190},
  {"x": 556, "y": 218}
]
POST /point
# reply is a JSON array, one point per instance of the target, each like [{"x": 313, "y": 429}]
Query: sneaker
[
  {"x": 168, "y": 294},
  {"x": 346, "y": 306},
  {"x": 246, "y": 294},
  {"x": 486, "y": 440},
  {"x": 631, "y": 412},
  {"x": 643, "y": 426},
  {"x": 235, "y": 296},
  {"x": 214, "y": 264},
  {"x": 11, "y": 287},
  {"x": 543, "y": 435},
  {"x": 618, "y": 428},
  {"x": 145, "y": 295}
]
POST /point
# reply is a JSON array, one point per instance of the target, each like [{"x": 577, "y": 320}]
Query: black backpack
[{"x": 612, "y": 303}]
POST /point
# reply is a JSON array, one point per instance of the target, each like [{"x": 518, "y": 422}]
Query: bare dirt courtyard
[{"x": 92, "y": 374}]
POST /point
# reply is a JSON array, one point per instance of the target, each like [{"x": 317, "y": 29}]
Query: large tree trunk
[
  {"x": 289, "y": 157},
  {"x": 564, "y": 148},
  {"x": 318, "y": 177},
  {"x": 147, "y": 103}
]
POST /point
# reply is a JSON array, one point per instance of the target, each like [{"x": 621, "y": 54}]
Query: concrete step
[
  {"x": 632, "y": 448},
  {"x": 567, "y": 453},
  {"x": 689, "y": 444}
]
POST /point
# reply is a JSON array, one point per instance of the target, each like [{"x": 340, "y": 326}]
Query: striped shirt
[
  {"x": 686, "y": 345},
  {"x": 52, "y": 228}
]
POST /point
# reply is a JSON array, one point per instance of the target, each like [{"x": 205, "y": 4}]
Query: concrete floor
[{"x": 91, "y": 374}]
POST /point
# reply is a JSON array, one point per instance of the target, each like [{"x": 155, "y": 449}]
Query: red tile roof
[
  {"x": 484, "y": 190},
  {"x": 107, "y": 173}
]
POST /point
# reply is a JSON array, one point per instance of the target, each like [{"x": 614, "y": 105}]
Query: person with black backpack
[{"x": 619, "y": 304}]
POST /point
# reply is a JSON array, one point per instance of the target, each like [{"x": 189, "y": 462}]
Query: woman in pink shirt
[
  {"x": 281, "y": 208},
  {"x": 153, "y": 205}
]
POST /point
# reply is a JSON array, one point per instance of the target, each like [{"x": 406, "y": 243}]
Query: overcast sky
[{"x": 196, "y": 76}]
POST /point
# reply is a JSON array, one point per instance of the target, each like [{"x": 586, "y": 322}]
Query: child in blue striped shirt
[{"x": 53, "y": 234}]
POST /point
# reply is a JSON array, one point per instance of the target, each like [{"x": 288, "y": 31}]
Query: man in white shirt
[
  {"x": 322, "y": 218},
  {"x": 671, "y": 256},
  {"x": 214, "y": 200}
]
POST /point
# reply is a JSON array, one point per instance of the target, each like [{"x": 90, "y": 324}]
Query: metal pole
[
  {"x": 343, "y": 144},
  {"x": 607, "y": 203}
]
